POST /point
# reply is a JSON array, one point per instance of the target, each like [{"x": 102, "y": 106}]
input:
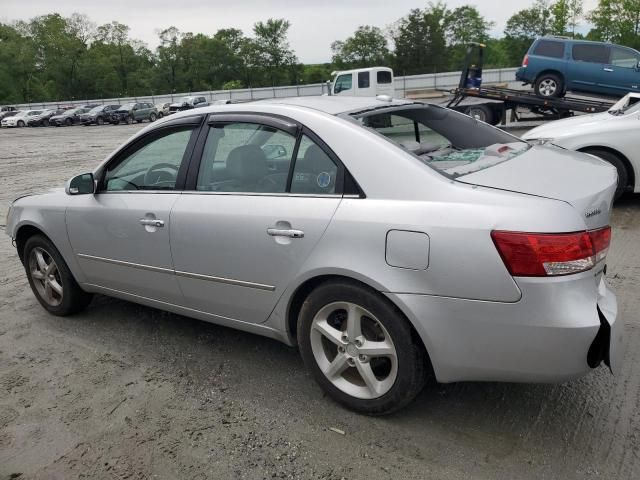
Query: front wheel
[
  {"x": 20, "y": 123},
  {"x": 152, "y": 117},
  {"x": 549, "y": 85},
  {"x": 100, "y": 121},
  {"x": 45, "y": 123},
  {"x": 68, "y": 122},
  {"x": 359, "y": 348},
  {"x": 51, "y": 280}
]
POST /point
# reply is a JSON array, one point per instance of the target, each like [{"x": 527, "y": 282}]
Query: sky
[{"x": 315, "y": 24}]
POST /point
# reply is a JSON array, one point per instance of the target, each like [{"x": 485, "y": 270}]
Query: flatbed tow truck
[{"x": 491, "y": 103}]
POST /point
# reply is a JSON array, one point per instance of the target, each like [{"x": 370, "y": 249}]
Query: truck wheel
[
  {"x": 549, "y": 85},
  {"x": 481, "y": 112},
  {"x": 616, "y": 161}
]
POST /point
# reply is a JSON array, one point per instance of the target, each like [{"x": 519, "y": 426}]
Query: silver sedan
[{"x": 389, "y": 240}]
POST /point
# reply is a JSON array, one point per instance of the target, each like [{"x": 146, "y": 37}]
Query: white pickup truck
[{"x": 363, "y": 82}]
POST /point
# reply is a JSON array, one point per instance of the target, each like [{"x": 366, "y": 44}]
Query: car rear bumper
[
  {"x": 546, "y": 336},
  {"x": 521, "y": 75}
]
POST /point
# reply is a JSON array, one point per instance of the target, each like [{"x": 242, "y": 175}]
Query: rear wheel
[
  {"x": 481, "y": 112},
  {"x": 68, "y": 122},
  {"x": 160, "y": 115},
  {"x": 549, "y": 85},
  {"x": 45, "y": 123},
  {"x": 100, "y": 121},
  {"x": 51, "y": 280},
  {"x": 616, "y": 161},
  {"x": 130, "y": 120},
  {"x": 360, "y": 348},
  {"x": 152, "y": 117},
  {"x": 20, "y": 123}
]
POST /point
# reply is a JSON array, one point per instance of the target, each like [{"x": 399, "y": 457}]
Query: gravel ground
[{"x": 124, "y": 391}]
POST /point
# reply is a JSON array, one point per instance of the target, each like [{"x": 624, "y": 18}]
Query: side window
[
  {"x": 621, "y": 57},
  {"x": 245, "y": 157},
  {"x": 154, "y": 166},
  {"x": 383, "y": 77},
  {"x": 548, "y": 48},
  {"x": 592, "y": 53},
  {"x": 343, "y": 83},
  {"x": 314, "y": 172},
  {"x": 363, "y": 79}
]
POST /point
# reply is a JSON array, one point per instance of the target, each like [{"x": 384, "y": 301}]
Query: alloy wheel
[
  {"x": 548, "y": 87},
  {"x": 46, "y": 276},
  {"x": 353, "y": 350}
]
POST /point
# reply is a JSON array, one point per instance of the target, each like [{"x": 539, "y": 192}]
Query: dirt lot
[{"x": 124, "y": 391}]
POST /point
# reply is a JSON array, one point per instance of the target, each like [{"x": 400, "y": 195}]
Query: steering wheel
[{"x": 155, "y": 169}]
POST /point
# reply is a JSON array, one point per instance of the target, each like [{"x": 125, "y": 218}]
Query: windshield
[
  {"x": 626, "y": 105},
  {"x": 128, "y": 106},
  {"x": 452, "y": 143},
  {"x": 96, "y": 109},
  {"x": 185, "y": 100},
  {"x": 71, "y": 111}
]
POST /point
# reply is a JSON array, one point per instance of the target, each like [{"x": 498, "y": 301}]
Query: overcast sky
[{"x": 314, "y": 23}]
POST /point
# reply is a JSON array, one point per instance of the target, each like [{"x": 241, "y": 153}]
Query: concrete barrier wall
[{"x": 446, "y": 80}]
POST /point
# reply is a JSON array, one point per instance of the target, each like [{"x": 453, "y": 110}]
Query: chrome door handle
[
  {"x": 281, "y": 232},
  {"x": 151, "y": 222},
  {"x": 607, "y": 69}
]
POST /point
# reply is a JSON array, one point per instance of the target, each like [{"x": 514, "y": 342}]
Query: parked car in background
[
  {"x": 388, "y": 240},
  {"x": 188, "y": 103},
  {"x": 134, "y": 112},
  {"x": 163, "y": 109},
  {"x": 68, "y": 117},
  {"x": 7, "y": 111},
  {"x": 42, "y": 119},
  {"x": 554, "y": 65},
  {"x": 19, "y": 119},
  {"x": 612, "y": 136},
  {"x": 98, "y": 115}
]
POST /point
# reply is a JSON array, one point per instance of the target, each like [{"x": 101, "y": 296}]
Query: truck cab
[{"x": 363, "y": 82}]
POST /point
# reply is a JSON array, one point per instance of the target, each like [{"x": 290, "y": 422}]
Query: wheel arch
[
  {"x": 303, "y": 290},
  {"x": 631, "y": 180},
  {"x": 24, "y": 233},
  {"x": 551, "y": 71}
]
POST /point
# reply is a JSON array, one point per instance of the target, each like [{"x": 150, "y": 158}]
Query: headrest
[{"x": 247, "y": 162}]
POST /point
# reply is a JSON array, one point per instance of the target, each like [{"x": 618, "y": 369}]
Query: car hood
[
  {"x": 183, "y": 104},
  {"x": 584, "y": 181},
  {"x": 58, "y": 117},
  {"x": 571, "y": 126}
]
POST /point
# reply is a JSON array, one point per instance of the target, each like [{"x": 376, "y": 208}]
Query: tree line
[{"x": 52, "y": 57}]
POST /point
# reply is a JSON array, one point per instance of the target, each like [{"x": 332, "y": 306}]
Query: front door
[
  {"x": 253, "y": 219},
  {"x": 622, "y": 71},
  {"x": 586, "y": 71},
  {"x": 120, "y": 235}
]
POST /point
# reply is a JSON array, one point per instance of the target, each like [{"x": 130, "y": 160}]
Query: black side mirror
[{"x": 81, "y": 185}]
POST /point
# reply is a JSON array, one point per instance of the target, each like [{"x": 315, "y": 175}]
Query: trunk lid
[{"x": 585, "y": 182}]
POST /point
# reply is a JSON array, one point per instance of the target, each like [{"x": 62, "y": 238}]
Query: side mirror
[{"x": 81, "y": 185}]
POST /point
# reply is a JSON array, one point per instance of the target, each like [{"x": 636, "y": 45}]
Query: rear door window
[
  {"x": 548, "y": 48},
  {"x": 592, "y": 53},
  {"x": 383, "y": 77},
  {"x": 363, "y": 79}
]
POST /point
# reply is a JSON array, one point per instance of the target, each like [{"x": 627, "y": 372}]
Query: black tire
[
  {"x": 20, "y": 123},
  {"x": 129, "y": 120},
  {"x": 99, "y": 121},
  {"x": 74, "y": 299},
  {"x": 45, "y": 123},
  {"x": 616, "y": 161},
  {"x": 549, "y": 85},
  {"x": 152, "y": 117},
  {"x": 411, "y": 372},
  {"x": 68, "y": 122},
  {"x": 481, "y": 112},
  {"x": 160, "y": 115}
]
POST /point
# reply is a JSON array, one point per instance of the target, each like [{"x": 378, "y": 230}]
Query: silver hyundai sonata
[{"x": 389, "y": 240}]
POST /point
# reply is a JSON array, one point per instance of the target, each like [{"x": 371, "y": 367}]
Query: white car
[
  {"x": 19, "y": 119},
  {"x": 612, "y": 136}
]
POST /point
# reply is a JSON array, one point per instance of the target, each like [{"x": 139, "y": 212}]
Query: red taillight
[
  {"x": 550, "y": 254},
  {"x": 525, "y": 61}
]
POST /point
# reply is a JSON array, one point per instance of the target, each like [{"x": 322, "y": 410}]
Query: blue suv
[{"x": 554, "y": 65}]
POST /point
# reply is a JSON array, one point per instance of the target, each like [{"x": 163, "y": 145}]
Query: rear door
[
  {"x": 588, "y": 69},
  {"x": 252, "y": 219}
]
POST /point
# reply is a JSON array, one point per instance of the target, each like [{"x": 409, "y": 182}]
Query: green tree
[
  {"x": 524, "y": 26},
  {"x": 367, "y": 47},
  {"x": 420, "y": 42},
  {"x": 463, "y": 26},
  {"x": 271, "y": 48},
  {"x": 616, "y": 21}
]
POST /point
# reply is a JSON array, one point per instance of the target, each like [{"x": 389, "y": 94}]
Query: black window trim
[
  {"x": 184, "y": 123},
  {"x": 345, "y": 183}
]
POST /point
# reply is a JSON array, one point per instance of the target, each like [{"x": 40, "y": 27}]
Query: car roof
[{"x": 336, "y": 104}]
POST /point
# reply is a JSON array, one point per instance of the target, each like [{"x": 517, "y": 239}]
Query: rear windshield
[
  {"x": 549, "y": 48},
  {"x": 452, "y": 143}
]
